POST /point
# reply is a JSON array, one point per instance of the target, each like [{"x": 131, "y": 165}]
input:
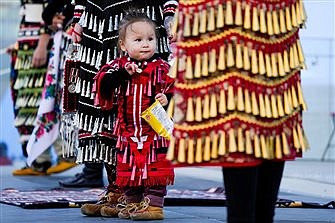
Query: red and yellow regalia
[{"x": 238, "y": 97}]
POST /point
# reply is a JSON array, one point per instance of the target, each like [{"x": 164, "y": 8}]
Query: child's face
[{"x": 140, "y": 41}]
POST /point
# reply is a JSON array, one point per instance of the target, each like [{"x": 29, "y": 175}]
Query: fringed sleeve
[{"x": 106, "y": 82}]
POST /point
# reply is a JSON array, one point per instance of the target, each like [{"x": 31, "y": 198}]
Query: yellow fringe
[
  {"x": 276, "y": 29},
  {"x": 195, "y": 28},
  {"x": 220, "y": 17},
  {"x": 301, "y": 138},
  {"x": 190, "y": 110},
  {"x": 262, "y": 69},
  {"x": 198, "y": 153},
  {"x": 240, "y": 140},
  {"x": 231, "y": 105},
  {"x": 274, "y": 65},
  {"x": 255, "y": 21},
  {"x": 203, "y": 21},
  {"x": 248, "y": 144},
  {"x": 229, "y": 13},
  {"x": 232, "y": 142},
  {"x": 286, "y": 149},
  {"x": 205, "y": 112},
  {"x": 222, "y": 143},
  {"x": 255, "y": 108},
  {"x": 204, "y": 70},
  {"x": 264, "y": 149},
  {"x": 187, "y": 25},
  {"x": 222, "y": 102},
  {"x": 247, "y": 18},
  {"x": 213, "y": 106},
  {"x": 274, "y": 106},
  {"x": 238, "y": 14},
  {"x": 288, "y": 19},
  {"x": 214, "y": 150},
  {"x": 269, "y": 23},
  {"x": 282, "y": 21},
  {"x": 257, "y": 149},
  {"x": 197, "y": 66},
  {"x": 267, "y": 103},
  {"x": 170, "y": 109},
  {"x": 262, "y": 21},
  {"x": 171, "y": 149},
  {"x": 246, "y": 59},
  {"x": 230, "y": 56},
  {"x": 181, "y": 151},
  {"x": 262, "y": 112},
  {"x": 198, "y": 112},
  {"x": 212, "y": 61},
  {"x": 190, "y": 151},
  {"x": 247, "y": 101},
  {"x": 189, "y": 69},
  {"x": 240, "y": 101},
  {"x": 278, "y": 149},
  {"x": 207, "y": 149},
  {"x": 211, "y": 20},
  {"x": 222, "y": 60},
  {"x": 254, "y": 63},
  {"x": 238, "y": 53}
]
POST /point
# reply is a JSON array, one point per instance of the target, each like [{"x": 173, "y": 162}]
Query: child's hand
[
  {"x": 162, "y": 99},
  {"x": 131, "y": 68}
]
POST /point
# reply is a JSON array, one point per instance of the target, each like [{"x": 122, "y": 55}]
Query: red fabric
[
  {"x": 139, "y": 164},
  {"x": 159, "y": 173},
  {"x": 99, "y": 100}
]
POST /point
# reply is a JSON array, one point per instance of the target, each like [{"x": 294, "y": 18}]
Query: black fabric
[
  {"x": 251, "y": 192},
  {"x": 58, "y": 6},
  {"x": 91, "y": 176},
  {"x": 24, "y": 149},
  {"x": 93, "y": 170},
  {"x": 112, "y": 81},
  {"x": 80, "y": 181}
]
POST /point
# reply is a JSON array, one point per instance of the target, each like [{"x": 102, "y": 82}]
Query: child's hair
[{"x": 132, "y": 16}]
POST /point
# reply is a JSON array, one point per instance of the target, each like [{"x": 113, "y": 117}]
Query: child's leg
[
  {"x": 133, "y": 194},
  {"x": 156, "y": 195}
]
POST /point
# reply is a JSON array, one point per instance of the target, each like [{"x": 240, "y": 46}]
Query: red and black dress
[{"x": 141, "y": 152}]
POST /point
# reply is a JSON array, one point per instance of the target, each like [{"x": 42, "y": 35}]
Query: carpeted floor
[{"x": 62, "y": 198}]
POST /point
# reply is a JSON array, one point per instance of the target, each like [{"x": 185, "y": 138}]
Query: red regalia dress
[
  {"x": 141, "y": 157},
  {"x": 237, "y": 75}
]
